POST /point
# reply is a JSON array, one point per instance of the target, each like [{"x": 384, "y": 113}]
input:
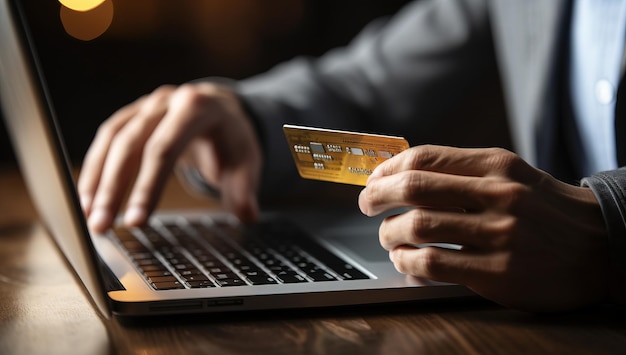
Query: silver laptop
[{"x": 196, "y": 261}]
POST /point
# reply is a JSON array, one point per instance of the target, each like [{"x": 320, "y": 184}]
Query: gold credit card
[{"x": 339, "y": 156}]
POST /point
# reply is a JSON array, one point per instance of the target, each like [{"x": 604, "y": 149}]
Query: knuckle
[
  {"x": 107, "y": 130},
  {"x": 413, "y": 184},
  {"x": 429, "y": 262},
  {"x": 510, "y": 196},
  {"x": 187, "y": 91},
  {"x": 421, "y": 156},
  {"x": 162, "y": 92},
  {"x": 501, "y": 158},
  {"x": 157, "y": 97},
  {"x": 422, "y": 223},
  {"x": 189, "y": 95},
  {"x": 125, "y": 139},
  {"x": 501, "y": 232},
  {"x": 509, "y": 164},
  {"x": 504, "y": 230},
  {"x": 158, "y": 150},
  {"x": 372, "y": 197},
  {"x": 508, "y": 225}
]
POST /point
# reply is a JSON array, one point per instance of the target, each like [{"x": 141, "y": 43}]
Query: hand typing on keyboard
[{"x": 203, "y": 122}]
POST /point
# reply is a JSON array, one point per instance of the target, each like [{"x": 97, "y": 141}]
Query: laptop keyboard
[{"x": 195, "y": 254}]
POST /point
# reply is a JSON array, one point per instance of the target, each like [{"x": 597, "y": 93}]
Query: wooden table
[{"x": 43, "y": 310}]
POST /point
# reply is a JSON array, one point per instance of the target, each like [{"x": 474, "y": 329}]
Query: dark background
[{"x": 153, "y": 42}]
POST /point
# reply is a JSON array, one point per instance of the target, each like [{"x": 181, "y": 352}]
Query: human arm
[
  {"x": 528, "y": 240},
  {"x": 373, "y": 84},
  {"x": 401, "y": 76}
]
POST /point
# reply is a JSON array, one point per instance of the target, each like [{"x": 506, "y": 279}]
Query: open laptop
[{"x": 196, "y": 261}]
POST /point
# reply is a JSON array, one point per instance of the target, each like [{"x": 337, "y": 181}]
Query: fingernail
[
  {"x": 135, "y": 216},
  {"x": 361, "y": 202},
  {"x": 391, "y": 257},
  {"x": 85, "y": 203}
]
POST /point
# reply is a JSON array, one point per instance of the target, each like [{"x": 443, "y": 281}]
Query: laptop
[{"x": 190, "y": 261}]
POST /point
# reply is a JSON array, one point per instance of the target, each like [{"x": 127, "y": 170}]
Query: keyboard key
[
  {"x": 168, "y": 285},
  {"x": 227, "y": 282},
  {"x": 159, "y": 279},
  {"x": 261, "y": 280},
  {"x": 348, "y": 272},
  {"x": 142, "y": 255},
  {"x": 248, "y": 267},
  {"x": 149, "y": 268},
  {"x": 213, "y": 264},
  {"x": 200, "y": 284},
  {"x": 144, "y": 262},
  {"x": 184, "y": 266},
  {"x": 134, "y": 246},
  {"x": 190, "y": 278},
  {"x": 225, "y": 276},
  {"x": 320, "y": 275},
  {"x": 288, "y": 278},
  {"x": 233, "y": 244},
  {"x": 158, "y": 273}
]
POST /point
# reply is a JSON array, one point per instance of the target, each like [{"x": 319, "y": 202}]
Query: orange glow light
[
  {"x": 81, "y": 5},
  {"x": 87, "y": 25}
]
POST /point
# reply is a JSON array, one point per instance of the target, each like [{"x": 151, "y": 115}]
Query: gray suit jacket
[{"x": 401, "y": 74}]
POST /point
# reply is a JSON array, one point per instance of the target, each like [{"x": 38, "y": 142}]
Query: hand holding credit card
[{"x": 339, "y": 156}]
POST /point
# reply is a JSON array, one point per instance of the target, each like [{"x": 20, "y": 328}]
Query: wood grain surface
[{"x": 44, "y": 311}]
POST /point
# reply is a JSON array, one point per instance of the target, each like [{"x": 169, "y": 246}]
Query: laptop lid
[
  {"x": 40, "y": 151},
  {"x": 37, "y": 138}
]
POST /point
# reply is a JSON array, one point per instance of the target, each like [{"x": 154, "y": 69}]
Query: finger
[
  {"x": 166, "y": 143},
  {"x": 231, "y": 158},
  {"x": 420, "y": 226},
  {"x": 122, "y": 160},
  {"x": 446, "y": 265},
  {"x": 204, "y": 155},
  {"x": 93, "y": 163},
  {"x": 237, "y": 184},
  {"x": 425, "y": 188},
  {"x": 457, "y": 161},
  {"x": 241, "y": 197}
]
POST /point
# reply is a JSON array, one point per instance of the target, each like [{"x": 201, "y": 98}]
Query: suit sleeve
[
  {"x": 396, "y": 77},
  {"x": 609, "y": 188}
]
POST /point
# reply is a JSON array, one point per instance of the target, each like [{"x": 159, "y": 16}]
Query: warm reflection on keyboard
[{"x": 201, "y": 254}]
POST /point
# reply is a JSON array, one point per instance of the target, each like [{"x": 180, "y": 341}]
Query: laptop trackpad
[
  {"x": 366, "y": 245},
  {"x": 345, "y": 229}
]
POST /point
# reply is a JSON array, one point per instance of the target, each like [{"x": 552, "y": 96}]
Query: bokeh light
[
  {"x": 81, "y": 5},
  {"x": 87, "y": 25}
]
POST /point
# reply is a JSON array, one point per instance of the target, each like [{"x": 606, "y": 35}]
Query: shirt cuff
[{"x": 609, "y": 188}]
